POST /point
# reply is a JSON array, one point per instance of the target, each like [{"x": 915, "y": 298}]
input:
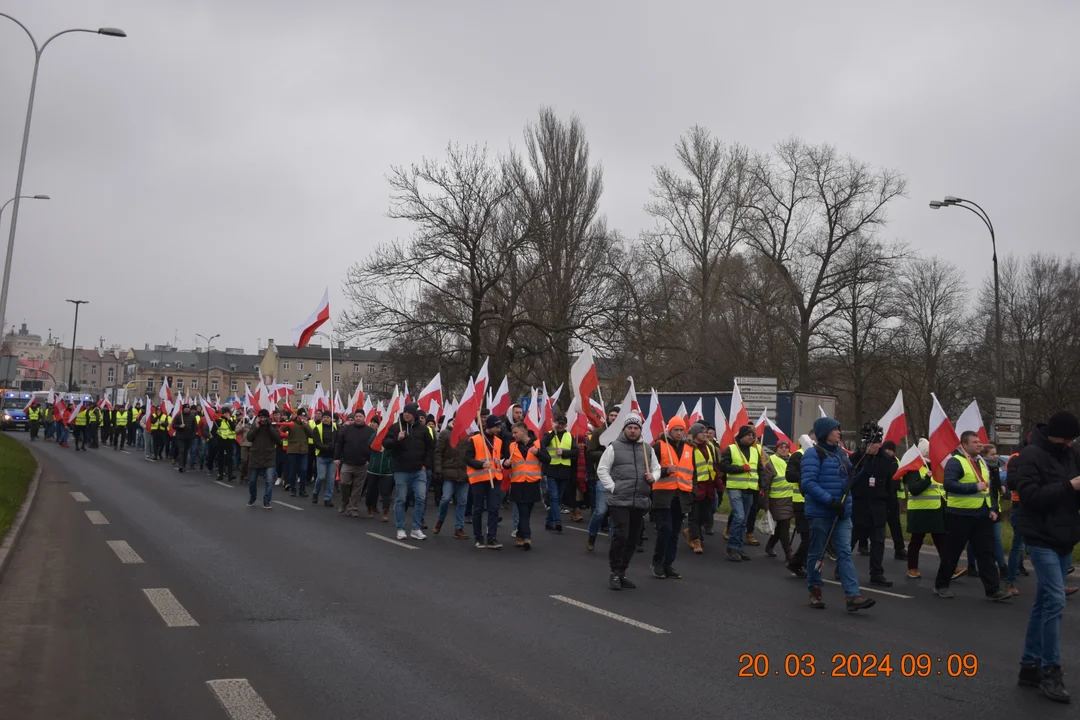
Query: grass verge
[{"x": 16, "y": 470}]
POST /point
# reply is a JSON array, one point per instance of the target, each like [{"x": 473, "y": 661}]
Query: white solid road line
[
  {"x": 392, "y": 541},
  {"x": 223, "y": 484},
  {"x": 169, "y": 608},
  {"x": 124, "y": 552},
  {"x": 880, "y": 592},
  {"x": 80, "y": 497},
  {"x": 288, "y": 505},
  {"x": 240, "y": 700},
  {"x": 125, "y": 452},
  {"x": 96, "y": 517},
  {"x": 613, "y": 616}
]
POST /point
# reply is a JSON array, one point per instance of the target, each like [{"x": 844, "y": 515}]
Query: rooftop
[
  {"x": 319, "y": 352},
  {"x": 191, "y": 360}
]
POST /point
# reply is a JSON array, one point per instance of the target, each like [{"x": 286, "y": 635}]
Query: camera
[{"x": 871, "y": 433}]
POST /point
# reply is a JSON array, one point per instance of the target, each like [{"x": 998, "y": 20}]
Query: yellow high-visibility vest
[
  {"x": 564, "y": 442},
  {"x": 781, "y": 488},
  {"x": 743, "y": 480},
  {"x": 931, "y": 497},
  {"x": 975, "y": 500}
]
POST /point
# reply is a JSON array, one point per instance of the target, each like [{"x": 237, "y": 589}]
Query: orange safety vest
[
  {"x": 524, "y": 469},
  {"x": 483, "y": 452},
  {"x": 683, "y": 479}
]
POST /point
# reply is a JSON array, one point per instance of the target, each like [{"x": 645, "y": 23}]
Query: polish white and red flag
[
  {"x": 737, "y": 415},
  {"x": 165, "y": 393},
  {"x": 103, "y": 403},
  {"x": 971, "y": 420},
  {"x": 303, "y": 332},
  {"x": 695, "y": 415},
  {"x": 629, "y": 406},
  {"x": 431, "y": 395},
  {"x": 60, "y": 409},
  {"x": 759, "y": 426},
  {"x": 585, "y": 381},
  {"x": 500, "y": 403},
  {"x": 465, "y": 414},
  {"x": 408, "y": 397},
  {"x": 781, "y": 437},
  {"x": 542, "y": 411},
  {"x": 339, "y": 407},
  {"x": 654, "y": 426},
  {"x": 911, "y": 462},
  {"x": 356, "y": 400},
  {"x": 943, "y": 439},
  {"x": 249, "y": 399},
  {"x": 319, "y": 401},
  {"x": 369, "y": 410},
  {"x": 724, "y": 436},
  {"x": 74, "y": 413},
  {"x": 209, "y": 417},
  {"x": 532, "y": 417},
  {"x": 682, "y": 413},
  {"x": 389, "y": 420},
  {"x": 448, "y": 414},
  {"x": 894, "y": 422},
  {"x": 177, "y": 410},
  {"x": 263, "y": 398},
  {"x": 549, "y": 410}
]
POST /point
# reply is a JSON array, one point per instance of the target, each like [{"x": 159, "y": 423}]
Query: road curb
[{"x": 12, "y": 537}]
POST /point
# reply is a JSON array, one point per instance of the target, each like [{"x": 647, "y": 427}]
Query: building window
[
  {"x": 179, "y": 366},
  {"x": 300, "y": 385},
  {"x": 232, "y": 367},
  {"x": 299, "y": 366},
  {"x": 179, "y": 383},
  {"x": 194, "y": 384},
  {"x": 214, "y": 385},
  {"x": 93, "y": 369},
  {"x": 153, "y": 363},
  {"x": 356, "y": 368},
  {"x": 150, "y": 385},
  {"x": 112, "y": 374},
  {"x": 370, "y": 369},
  {"x": 318, "y": 367},
  {"x": 337, "y": 377},
  {"x": 385, "y": 370},
  {"x": 232, "y": 386},
  {"x": 285, "y": 365}
]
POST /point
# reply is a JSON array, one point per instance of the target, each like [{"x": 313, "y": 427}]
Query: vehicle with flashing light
[{"x": 13, "y": 410}]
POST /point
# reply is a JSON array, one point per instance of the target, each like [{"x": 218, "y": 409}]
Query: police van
[{"x": 13, "y": 407}]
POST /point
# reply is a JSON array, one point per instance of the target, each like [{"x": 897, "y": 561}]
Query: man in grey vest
[{"x": 627, "y": 470}]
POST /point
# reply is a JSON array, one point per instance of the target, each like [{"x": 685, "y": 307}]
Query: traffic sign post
[
  {"x": 1007, "y": 423},
  {"x": 758, "y": 394}
]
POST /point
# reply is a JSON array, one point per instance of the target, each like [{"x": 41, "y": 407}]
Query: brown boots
[
  {"x": 816, "y": 600},
  {"x": 696, "y": 545}
]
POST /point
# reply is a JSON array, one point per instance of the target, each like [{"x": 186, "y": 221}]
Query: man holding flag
[{"x": 410, "y": 445}]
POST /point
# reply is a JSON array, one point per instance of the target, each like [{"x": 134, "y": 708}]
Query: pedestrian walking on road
[
  {"x": 925, "y": 511},
  {"x": 324, "y": 458},
  {"x": 450, "y": 471},
  {"x": 557, "y": 449},
  {"x": 352, "y": 454},
  {"x": 483, "y": 462},
  {"x": 742, "y": 463},
  {"x": 380, "y": 479},
  {"x": 628, "y": 468},
  {"x": 264, "y": 439},
  {"x": 778, "y": 500},
  {"x": 672, "y": 494},
  {"x": 296, "y": 463},
  {"x": 409, "y": 444},
  {"x": 1046, "y": 474},
  {"x": 593, "y": 452},
  {"x": 525, "y": 476}
]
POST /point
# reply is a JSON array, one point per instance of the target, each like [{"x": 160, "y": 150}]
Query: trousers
[{"x": 627, "y": 523}]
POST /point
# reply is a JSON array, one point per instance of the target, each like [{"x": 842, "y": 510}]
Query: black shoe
[
  {"x": 1052, "y": 685},
  {"x": 558, "y": 527},
  {"x": 1000, "y": 596},
  {"x": 180, "y": 469},
  {"x": 733, "y": 555},
  {"x": 831, "y": 555},
  {"x": 315, "y": 500},
  {"x": 708, "y": 531},
  {"x": 250, "y": 503},
  {"x": 770, "y": 552},
  {"x": 901, "y": 555},
  {"x": 658, "y": 571},
  {"x": 590, "y": 544},
  {"x": 796, "y": 570},
  {"x": 672, "y": 573},
  {"x": 880, "y": 580},
  {"x": 864, "y": 551},
  {"x": 548, "y": 526},
  {"x": 626, "y": 584},
  {"x": 1023, "y": 570},
  {"x": 944, "y": 593},
  {"x": 744, "y": 556},
  {"x": 1030, "y": 676},
  {"x": 640, "y": 548},
  {"x": 613, "y": 582},
  {"x": 303, "y": 494},
  {"x": 330, "y": 503}
]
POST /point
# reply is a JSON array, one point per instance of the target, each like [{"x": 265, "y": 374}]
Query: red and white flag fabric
[
  {"x": 263, "y": 398},
  {"x": 500, "y": 403},
  {"x": 577, "y": 422},
  {"x": 737, "y": 415},
  {"x": 548, "y": 422},
  {"x": 74, "y": 413},
  {"x": 60, "y": 410},
  {"x": 448, "y": 414},
  {"x": 759, "y": 426},
  {"x": 682, "y": 413},
  {"x": 654, "y": 426},
  {"x": 599, "y": 412},
  {"x": 465, "y": 415},
  {"x": 584, "y": 380},
  {"x": 780, "y": 436},
  {"x": 430, "y": 395},
  {"x": 696, "y": 415},
  {"x": 319, "y": 400},
  {"x": 356, "y": 401},
  {"x": 165, "y": 393},
  {"x": 339, "y": 407},
  {"x": 971, "y": 420},
  {"x": 894, "y": 421},
  {"x": 369, "y": 410},
  {"x": 303, "y": 332},
  {"x": 389, "y": 420},
  {"x": 408, "y": 397},
  {"x": 148, "y": 411},
  {"x": 724, "y": 436},
  {"x": 911, "y": 462},
  {"x": 629, "y": 405},
  {"x": 209, "y": 417},
  {"x": 177, "y": 410},
  {"x": 249, "y": 399},
  {"x": 103, "y": 403},
  {"x": 532, "y": 417},
  {"x": 943, "y": 439}
]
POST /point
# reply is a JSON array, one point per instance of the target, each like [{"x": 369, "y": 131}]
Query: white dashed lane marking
[
  {"x": 608, "y": 614},
  {"x": 124, "y": 552},
  {"x": 240, "y": 700},
  {"x": 879, "y": 592},
  {"x": 288, "y": 505},
  {"x": 223, "y": 484},
  {"x": 80, "y": 497},
  {"x": 169, "y": 608},
  {"x": 96, "y": 517},
  {"x": 407, "y": 546}
]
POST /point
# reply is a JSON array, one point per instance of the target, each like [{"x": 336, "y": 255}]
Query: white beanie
[
  {"x": 632, "y": 419},
  {"x": 924, "y": 447}
]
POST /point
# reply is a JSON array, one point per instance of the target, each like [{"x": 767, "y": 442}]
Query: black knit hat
[
  {"x": 745, "y": 430},
  {"x": 1063, "y": 424}
]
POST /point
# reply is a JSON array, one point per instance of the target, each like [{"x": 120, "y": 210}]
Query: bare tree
[{"x": 809, "y": 206}]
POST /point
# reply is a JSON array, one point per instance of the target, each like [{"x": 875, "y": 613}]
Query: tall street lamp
[
  {"x": 38, "y": 50},
  {"x": 208, "y": 341},
  {"x": 24, "y": 197},
  {"x": 974, "y": 207},
  {"x": 71, "y": 370}
]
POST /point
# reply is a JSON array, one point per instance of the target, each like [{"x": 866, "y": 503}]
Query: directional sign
[
  {"x": 1007, "y": 425},
  {"x": 758, "y": 394}
]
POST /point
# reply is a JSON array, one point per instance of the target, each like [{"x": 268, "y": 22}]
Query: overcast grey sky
[{"x": 248, "y": 140}]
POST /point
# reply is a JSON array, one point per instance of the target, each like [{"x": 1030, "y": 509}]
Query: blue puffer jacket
[{"x": 825, "y": 480}]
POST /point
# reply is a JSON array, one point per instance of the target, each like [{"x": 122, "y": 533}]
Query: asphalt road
[{"x": 202, "y": 607}]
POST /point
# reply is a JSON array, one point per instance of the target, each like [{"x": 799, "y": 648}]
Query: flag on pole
[
  {"x": 894, "y": 422},
  {"x": 339, "y": 407},
  {"x": 821, "y": 411},
  {"x": 165, "y": 392},
  {"x": 681, "y": 413},
  {"x": 724, "y": 436},
  {"x": 971, "y": 420},
  {"x": 500, "y": 404},
  {"x": 943, "y": 439},
  {"x": 654, "y": 426},
  {"x": 303, "y": 332},
  {"x": 629, "y": 405},
  {"x": 585, "y": 381},
  {"x": 465, "y": 415},
  {"x": 389, "y": 419},
  {"x": 532, "y": 417},
  {"x": 759, "y": 426},
  {"x": 430, "y": 395},
  {"x": 780, "y": 436},
  {"x": 103, "y": 403},
  {"x": 695, "y": 415},
  {"x": 408, "y": 397},
  {"x": 911, "y": 462},
  {"x": 356, "y": 401},
  {"x": 737, "y": 415}
]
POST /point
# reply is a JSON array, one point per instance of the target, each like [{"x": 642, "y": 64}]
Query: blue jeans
[
  {"x": 598, "y": 511},
  {"x": 198, "y": 446},
  {"x": 296, "y": 472},
  {"x": 999, "y": 551},
  {"x": 555, "y": 490},
  {"x": 403, "y": 482},
  {"x": 459, "y": 492},
  {"x": 253, "y": 483},
  {"x": 484, "y": 495},
  {"x": 62, "y": 434},
  {"x": 1042, "y": 643},
  {"x": 325, "y": 477},
  {"x": 1016, "y": 552},
  {"x": 741, "y": 502},
  {"x": 841, "y": 541}
]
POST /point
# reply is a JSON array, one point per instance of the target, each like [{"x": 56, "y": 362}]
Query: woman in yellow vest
[
  {"x": 925, "y": 512},
  {"x": 778, "y": 499},
  {"x": 705, "y": 489},
  {"x": 525, "y": 477}
]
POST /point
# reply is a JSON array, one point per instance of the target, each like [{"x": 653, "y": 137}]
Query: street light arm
[
  {"x": 63, "y": 32},
  {"x": 982, "y": 213},
  {"x": 986, "y": 222},
  {"x": 25, "y": 30}
]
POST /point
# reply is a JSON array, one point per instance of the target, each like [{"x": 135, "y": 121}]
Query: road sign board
[
  {"x": 1007, "y": 433},
  {"x": 758, "y": 394}
]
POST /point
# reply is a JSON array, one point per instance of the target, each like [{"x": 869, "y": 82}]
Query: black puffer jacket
[
  {"x": 1042, "y": 474},
  {"x": 414, "y": 451}
]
